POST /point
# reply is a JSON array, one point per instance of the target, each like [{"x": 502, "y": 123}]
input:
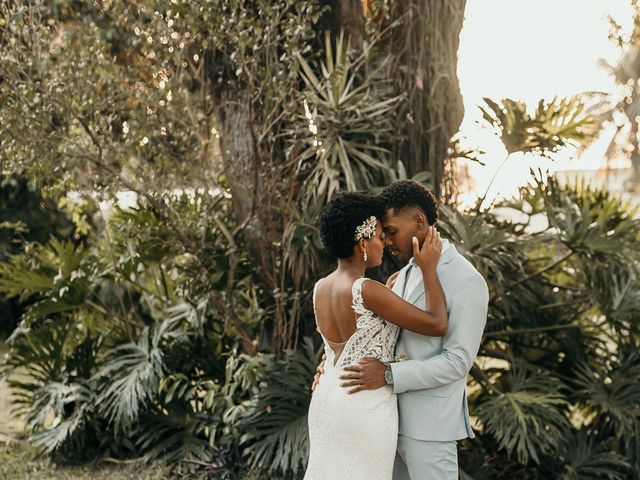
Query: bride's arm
[{"x": 385, "y": 303}]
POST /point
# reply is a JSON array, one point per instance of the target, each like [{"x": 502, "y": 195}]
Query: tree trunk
[
  {"x": 633, "y": 183},
  {"x": 346, "y": 15},
  {"x": 242, "y": 167},
  {"x": 426, "y": 50}
]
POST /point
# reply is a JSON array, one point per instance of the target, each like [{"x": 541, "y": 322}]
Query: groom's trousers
[{"x": 425, "y": 460}]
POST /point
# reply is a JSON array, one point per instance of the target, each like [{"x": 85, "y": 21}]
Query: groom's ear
[{"x": 421, "y": 221}]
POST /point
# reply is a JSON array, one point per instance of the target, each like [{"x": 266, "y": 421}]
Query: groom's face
[{"x": 400, "y": 227}]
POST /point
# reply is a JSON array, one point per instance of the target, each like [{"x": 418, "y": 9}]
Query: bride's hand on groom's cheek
[{"x": 367, "y": 374}]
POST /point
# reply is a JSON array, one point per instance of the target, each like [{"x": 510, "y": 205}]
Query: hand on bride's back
[
  {"x": 319, "y": 372},
  {"x": 428, "y": 255}
]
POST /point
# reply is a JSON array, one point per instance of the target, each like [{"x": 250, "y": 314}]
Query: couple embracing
[{"x": 390, "y": 399}]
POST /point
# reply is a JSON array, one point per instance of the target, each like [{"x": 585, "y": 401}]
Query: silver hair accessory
[{"x": 366, "y": 229}]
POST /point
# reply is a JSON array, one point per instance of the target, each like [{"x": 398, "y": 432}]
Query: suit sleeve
[{"x": 467, "y": 319}]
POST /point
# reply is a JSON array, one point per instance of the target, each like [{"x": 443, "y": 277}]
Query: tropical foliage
[
  {"x": 127, "y": 355},
  {"x": 26, "y": 216},
  {"x": 552, "y": 126},
  {"x": 562, "y": 324}
]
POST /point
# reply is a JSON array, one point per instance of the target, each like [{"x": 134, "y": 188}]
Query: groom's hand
[
  {"x": 319, "y": 371},
  {"x": 367, "y": 374}
]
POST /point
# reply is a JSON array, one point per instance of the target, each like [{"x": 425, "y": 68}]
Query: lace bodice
[{"x": 374, "y": 336}]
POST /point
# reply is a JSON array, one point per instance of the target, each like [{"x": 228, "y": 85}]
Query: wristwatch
[{"x": 388, "y": 374}]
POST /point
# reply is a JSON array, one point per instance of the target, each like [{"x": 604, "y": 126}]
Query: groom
[{"x": 429, "y": 374}]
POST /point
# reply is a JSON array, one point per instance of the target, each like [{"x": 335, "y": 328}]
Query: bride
[{"x": 354, "y": 436}]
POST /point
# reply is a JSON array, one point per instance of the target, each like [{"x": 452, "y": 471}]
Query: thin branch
[
  {"x": 477, "y": 373},
  {"x": 228, "y": 305},
  {"x": 532, "y": 330},
  {"x": 543, "y": 270},
  {"x": 486, "y": 192}
]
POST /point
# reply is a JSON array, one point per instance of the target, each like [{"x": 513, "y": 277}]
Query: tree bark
[
  {"x": 426, "y": 50},
  {"x": 242, "y": 168},
  {"x": 348, "y": 16}
]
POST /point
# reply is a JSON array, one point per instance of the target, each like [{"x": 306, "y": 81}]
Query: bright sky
[{"x": 527, "y": 50}]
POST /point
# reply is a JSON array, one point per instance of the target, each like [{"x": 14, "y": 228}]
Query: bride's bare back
[{"x": 335, "y": 317}]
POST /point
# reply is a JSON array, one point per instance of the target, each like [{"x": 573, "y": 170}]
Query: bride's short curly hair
[{"x": 341, "y": 216}]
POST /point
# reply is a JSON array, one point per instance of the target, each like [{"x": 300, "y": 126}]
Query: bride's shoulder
[
  {"x": 323, "y": 280},
  {"x": 369, "y": 286},
  {"x": 372, "y": 294}
]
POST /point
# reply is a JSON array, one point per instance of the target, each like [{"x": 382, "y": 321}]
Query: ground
[{"x": 18, "y": 461}]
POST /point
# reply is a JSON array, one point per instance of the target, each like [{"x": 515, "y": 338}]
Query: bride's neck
[{"x": 352, "y": 266}]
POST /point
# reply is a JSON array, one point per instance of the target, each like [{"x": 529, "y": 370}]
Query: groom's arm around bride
[{"x": 467, "y": 318}]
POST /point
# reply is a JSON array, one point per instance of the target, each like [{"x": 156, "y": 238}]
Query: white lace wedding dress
[{"x": 353, "y": 437}]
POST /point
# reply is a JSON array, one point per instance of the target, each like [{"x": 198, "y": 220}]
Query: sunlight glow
[{"x": 530, "y": 50}]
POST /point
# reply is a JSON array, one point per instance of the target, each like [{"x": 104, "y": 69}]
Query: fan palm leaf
[
  {"x": 131, "y": 374},
  {"x": 59, "y": 413},
  {"x": 527, "y": 420}
]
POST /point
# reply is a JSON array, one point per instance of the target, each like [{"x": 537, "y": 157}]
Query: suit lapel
[
  {"x": 418, "y": 291},
  {"x": 398, "y": 287}
]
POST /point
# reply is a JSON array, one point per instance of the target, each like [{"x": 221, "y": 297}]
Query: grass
[{"x": 19, "y": 461}]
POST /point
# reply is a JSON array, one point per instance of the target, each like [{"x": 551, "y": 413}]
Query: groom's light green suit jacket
[{"x": 432, "y": 383}]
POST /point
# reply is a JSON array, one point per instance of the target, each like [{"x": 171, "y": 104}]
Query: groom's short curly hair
[
  {"x": 409, "y": 193},
  {"x": 340, "y": 217}
]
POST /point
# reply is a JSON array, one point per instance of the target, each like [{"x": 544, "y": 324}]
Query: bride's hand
[{"x": 428, "y": 255}]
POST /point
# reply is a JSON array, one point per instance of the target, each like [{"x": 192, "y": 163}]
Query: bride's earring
[{"x": 364, "y": 256}]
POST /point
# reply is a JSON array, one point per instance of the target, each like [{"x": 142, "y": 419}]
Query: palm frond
[
  {"x": 587, "y": 458},
  {"x": 276, "y": 436},
  {"x": 131, "y": 374},
  {"x": 610, "y": 395},
  {"x": 528, "y": 420},
  {"x": 588, "y": 217},
  {"x": 39, "y": 356},
  {"x": 177, "y": 438},
  {"x": 555, "y": 124},
  {"x": 58, "y": 415}
]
